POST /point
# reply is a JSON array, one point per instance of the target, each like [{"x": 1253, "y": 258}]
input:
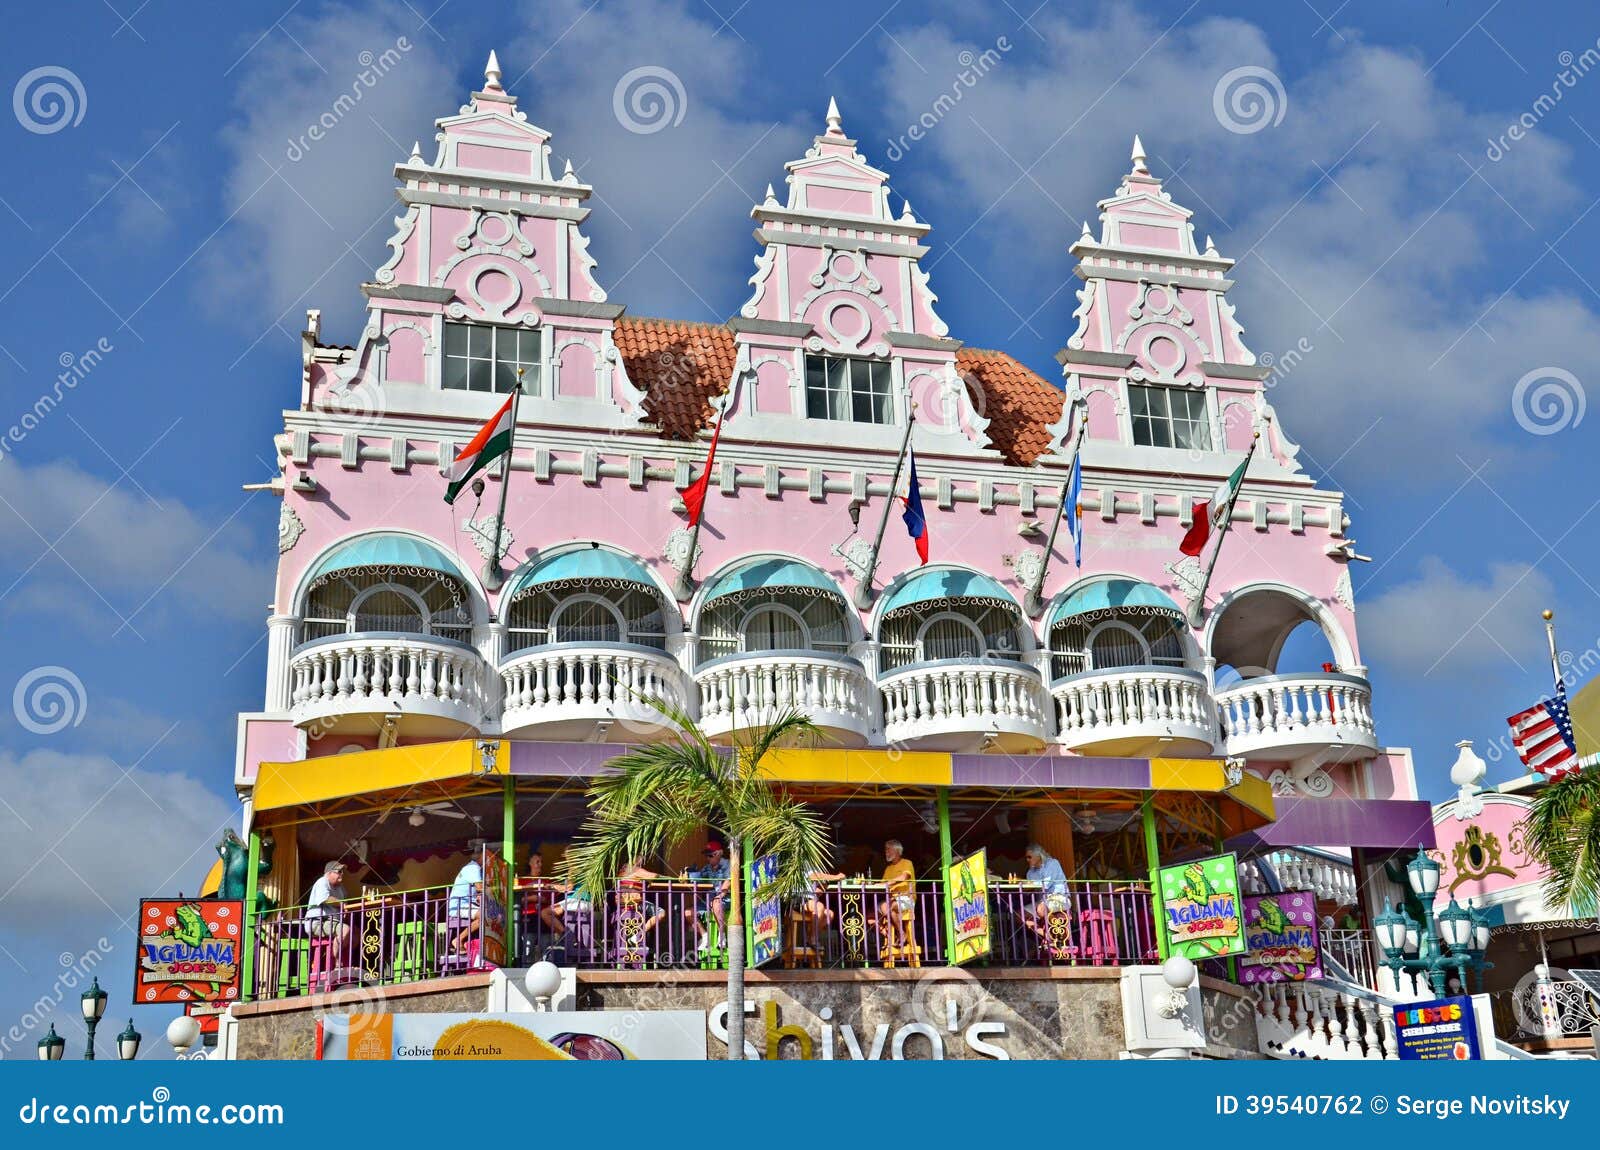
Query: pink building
[{"x": 1010, "y": 667}]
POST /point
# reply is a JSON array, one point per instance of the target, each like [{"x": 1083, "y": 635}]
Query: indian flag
[
  {"x": 492, "y": 441},
  {"x": 1211, "y": 514}
]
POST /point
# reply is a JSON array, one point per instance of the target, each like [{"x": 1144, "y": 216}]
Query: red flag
[{"x": 694, "y": 495}]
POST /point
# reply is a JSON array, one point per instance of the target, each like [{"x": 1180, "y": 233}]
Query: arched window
[
  {"x": 569, "y": 611},
  {"x": 969, "y": 629},
  {"x": 376, "y": 600},
  {"x": 1111, "y": 622},
  {"x": 775, "y": 627},
  {"x": 949, "y": 636},
  {"x": 774, "y": 619}
]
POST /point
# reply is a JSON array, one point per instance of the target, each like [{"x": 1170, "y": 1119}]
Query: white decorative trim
[
  {"x": 404, "y": 226},
  {"x": 676, "y": 550},
  {"x": 1343, "y": 593},
  {"x": 481, "y": 531},
  {"x": 1187, "y": 576},
  {"x": 940, "y": 328},
  {"x": 290, "y": 528}
]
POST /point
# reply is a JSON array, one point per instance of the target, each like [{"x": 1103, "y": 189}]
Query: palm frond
[
  {"x": 789, "y": 727},
  {"x": 1562, "y": 831}
]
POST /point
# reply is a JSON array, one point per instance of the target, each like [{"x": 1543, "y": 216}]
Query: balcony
[
  {"x": 1135, "y": 712},
  {"x": 964, "y": 705},
  {"x": 1281, "y": 717},
  {"x": 427, "y": 686},
  {"x": 588, "y": 691},
  {"x": 739, "y": 692}
]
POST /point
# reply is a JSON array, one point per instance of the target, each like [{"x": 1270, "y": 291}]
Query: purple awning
[{"x": 1389, "y": 824}]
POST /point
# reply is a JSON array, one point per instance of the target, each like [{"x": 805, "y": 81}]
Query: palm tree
[
  {"x": 1562, "y": 828},
  {"x": 660, "y": 794}
]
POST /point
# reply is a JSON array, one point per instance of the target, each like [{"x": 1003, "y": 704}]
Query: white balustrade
[
  {"x": 955, "y": 701},
  {"x": 565, "y": 689},
  {"x": 361, "y": 675},
  {"x": 744, "y": 691},
  {"x": 1291, "y": 715},
  {"x": 1146, "y": 703},
  {"x": 1324, "y": 1020}
]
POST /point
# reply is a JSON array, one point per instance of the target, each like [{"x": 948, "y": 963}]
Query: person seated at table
[
  {"x": 464, "y": 908},
  {"x": 899, "y": 876},
  {"x": 715, "y": 902},
  {"x": 324, "y": 917},
  {"x": 574, "y": 901},
  {"x": 1046, "y": 871},
  {"x": 632, "y": 880},
  {"x": 809, "y": 904}
]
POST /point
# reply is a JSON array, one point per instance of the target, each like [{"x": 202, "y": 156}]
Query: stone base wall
[{"x": 287, "y": 1028}]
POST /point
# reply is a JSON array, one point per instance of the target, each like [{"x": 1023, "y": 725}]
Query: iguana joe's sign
[
  {"x": 188, "y": 950},
  {"x": 1200, "y": 908}
]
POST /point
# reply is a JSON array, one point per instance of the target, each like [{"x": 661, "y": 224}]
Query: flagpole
[
  {"x": 1034, "y": 603},
  {"x": 863, "y": 595},
  {"x": 685, "y": 587},
  {"x": 492, "y": 578},
  {"x": 1550, "y": 635},
  {"x": 1197, "y": 606}
]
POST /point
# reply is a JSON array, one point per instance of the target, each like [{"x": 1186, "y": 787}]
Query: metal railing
[{"x": 1093, "y": 924}]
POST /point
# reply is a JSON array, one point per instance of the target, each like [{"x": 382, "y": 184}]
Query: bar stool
[
  {"x": 1099, "y": 936},
  {"x": 413, "y": 951},
  {"x": 800, "y": 943},
  {"x": 294, "y": 957},
  {"x": 907, "y": 950}
]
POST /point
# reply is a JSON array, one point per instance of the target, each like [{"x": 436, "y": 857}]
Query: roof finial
[
  {"x": 835, "y": 121},
  {"x": 1140, "y": 167},
  {"x": 772, "y": 197},
  {"x": 569, "y": 176},
  {"x": 1086, "y": 235},
  {"x": 1211, "y": 246},
  {"x": 491, "y": 74},
  {"x": 416, "y": 151},
  {"x": 905, "y": 211}
]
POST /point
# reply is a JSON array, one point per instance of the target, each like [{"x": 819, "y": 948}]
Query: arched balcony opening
[
  {"x": 773, "y": 634},
  {"x": 384, "y": 643},
  {"x": 585, "y": 649},
  {"x": 1122, "y": 679},
  {"x": 1287, "y": 689},
  {"x": 952, "y": 653}
]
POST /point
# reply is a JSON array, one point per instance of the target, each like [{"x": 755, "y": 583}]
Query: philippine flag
[{"x": 916, "y": 521}]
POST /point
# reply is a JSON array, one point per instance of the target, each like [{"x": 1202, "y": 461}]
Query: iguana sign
[
  {"x": 188, "y": 950},
  {"x": 1200, "y": 909}
]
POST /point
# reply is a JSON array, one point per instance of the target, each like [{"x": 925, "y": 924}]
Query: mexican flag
[
  {"x": 492, "y": 441},
  {"x": 1210, "y": 515}
]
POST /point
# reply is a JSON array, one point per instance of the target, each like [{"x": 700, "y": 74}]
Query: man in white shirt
[
  {"x": 466, "y": 904},
  {"x": 324, "y": 919}
]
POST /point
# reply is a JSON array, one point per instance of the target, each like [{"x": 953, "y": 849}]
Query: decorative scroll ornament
[
  {"x": 1027, "y": 567},
  {"x": 1343, "y": 593},
  {"x": 290, "y": 528},
  {"x": 857, "y": 555},
  {"x": 1187, "y": 576},
  {"x": 482, "y": 533},
  {"x": 1315, "y": 783},
  {"x": 1477, "y": 856},
  {"x": 676, "y": 551}
]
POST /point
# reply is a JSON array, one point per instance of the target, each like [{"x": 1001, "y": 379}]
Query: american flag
[{"x": 1543, "y": 736}]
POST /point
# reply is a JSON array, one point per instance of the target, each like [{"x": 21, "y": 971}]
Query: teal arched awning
[
  {"x": 929, "y": 586},
  {"x": 772, "y": 575},
  {"x": 593, "y": 565},
  {"x": 1112, "y": 594},
  {"x": 386, "y": 550}
]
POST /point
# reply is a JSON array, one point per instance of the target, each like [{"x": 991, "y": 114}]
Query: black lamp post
[
  {"x": 51, "y": 1046},
  {"x": 94, "y": 1006},
  {"x": 128, "y": 1043}
]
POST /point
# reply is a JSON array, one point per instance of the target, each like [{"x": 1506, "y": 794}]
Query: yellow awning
[
  {"x": 280, "y": 785},
  {"x": 1584, "y": 710}
]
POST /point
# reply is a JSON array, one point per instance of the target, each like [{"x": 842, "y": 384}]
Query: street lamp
[
  {"x": 543, "y": 980},
  {"x": 51, "y": 1046},
  {"x": 1423, "y": 874},
  {"x": 182, "y": 1032},
  {"x": 128, "y": 1043},
  {"x": 94, "y": 1005},
  {"x": 1390, "y": 927},
  {"x": 1452, "y": 940}
]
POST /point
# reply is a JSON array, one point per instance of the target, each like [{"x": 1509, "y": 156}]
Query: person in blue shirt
[
  {"x": 465, "y": 903},
  {"x": 1052, "y": 880},
  {"x": 715, "y": 869}
]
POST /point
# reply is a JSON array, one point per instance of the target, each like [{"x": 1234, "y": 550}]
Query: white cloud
[
  {"x": 671, "y": 223},
  {"x": 1357, "y": 221},
  {"x": 82, "y": 839},
  {"x": 290, "y": 242},
  {"x": 117, "y": 554},
  {"x": 1445, "y": 624}
]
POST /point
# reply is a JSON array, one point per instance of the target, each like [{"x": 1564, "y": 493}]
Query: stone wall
[
  {"x": 1061, "y": 1014},
  {"x": 287, "y": 1029}
]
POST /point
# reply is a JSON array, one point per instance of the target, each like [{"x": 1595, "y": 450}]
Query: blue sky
[{"x": 1432, "y": 273}]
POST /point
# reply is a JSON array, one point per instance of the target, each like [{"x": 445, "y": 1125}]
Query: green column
[
  {"x": 1152, "y": 854},
  {"x": 508, "y": 848},
  {"x": 942, "y": 802},
  {"x": 1233, "y": 960},
  {"x": 252, "y": 886}
]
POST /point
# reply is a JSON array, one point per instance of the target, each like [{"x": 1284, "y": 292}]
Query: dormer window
[
  {"x": 855, "y": 390},
  {"x": 1170, "y": 417},
  {"x": 485, "y": 357}
]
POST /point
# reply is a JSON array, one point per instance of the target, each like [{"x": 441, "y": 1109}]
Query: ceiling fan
[{"x": 418, "y": 812}]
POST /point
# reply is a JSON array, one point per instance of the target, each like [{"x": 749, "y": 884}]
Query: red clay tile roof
[
  {"x": 681, "y": 366},
  {"x": 1020, "y": 405}
]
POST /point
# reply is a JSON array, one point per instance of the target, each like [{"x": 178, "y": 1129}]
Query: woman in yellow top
[{"x": 898, "y": 876}]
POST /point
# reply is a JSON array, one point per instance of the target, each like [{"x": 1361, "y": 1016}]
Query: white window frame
[
  {"x": 405, "y": 593},
  {"x": 780, "y": 608},
  {"x": 553, "y": 630},
  {"x": 891, "y": 397},
  {"x": 1207, "y": 399},
  {"x": 920, "y": 650},
  {"x": 539, "y": 368}
]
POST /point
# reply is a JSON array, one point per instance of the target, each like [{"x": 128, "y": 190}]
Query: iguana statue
[{"x": 235, "y": 855}]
